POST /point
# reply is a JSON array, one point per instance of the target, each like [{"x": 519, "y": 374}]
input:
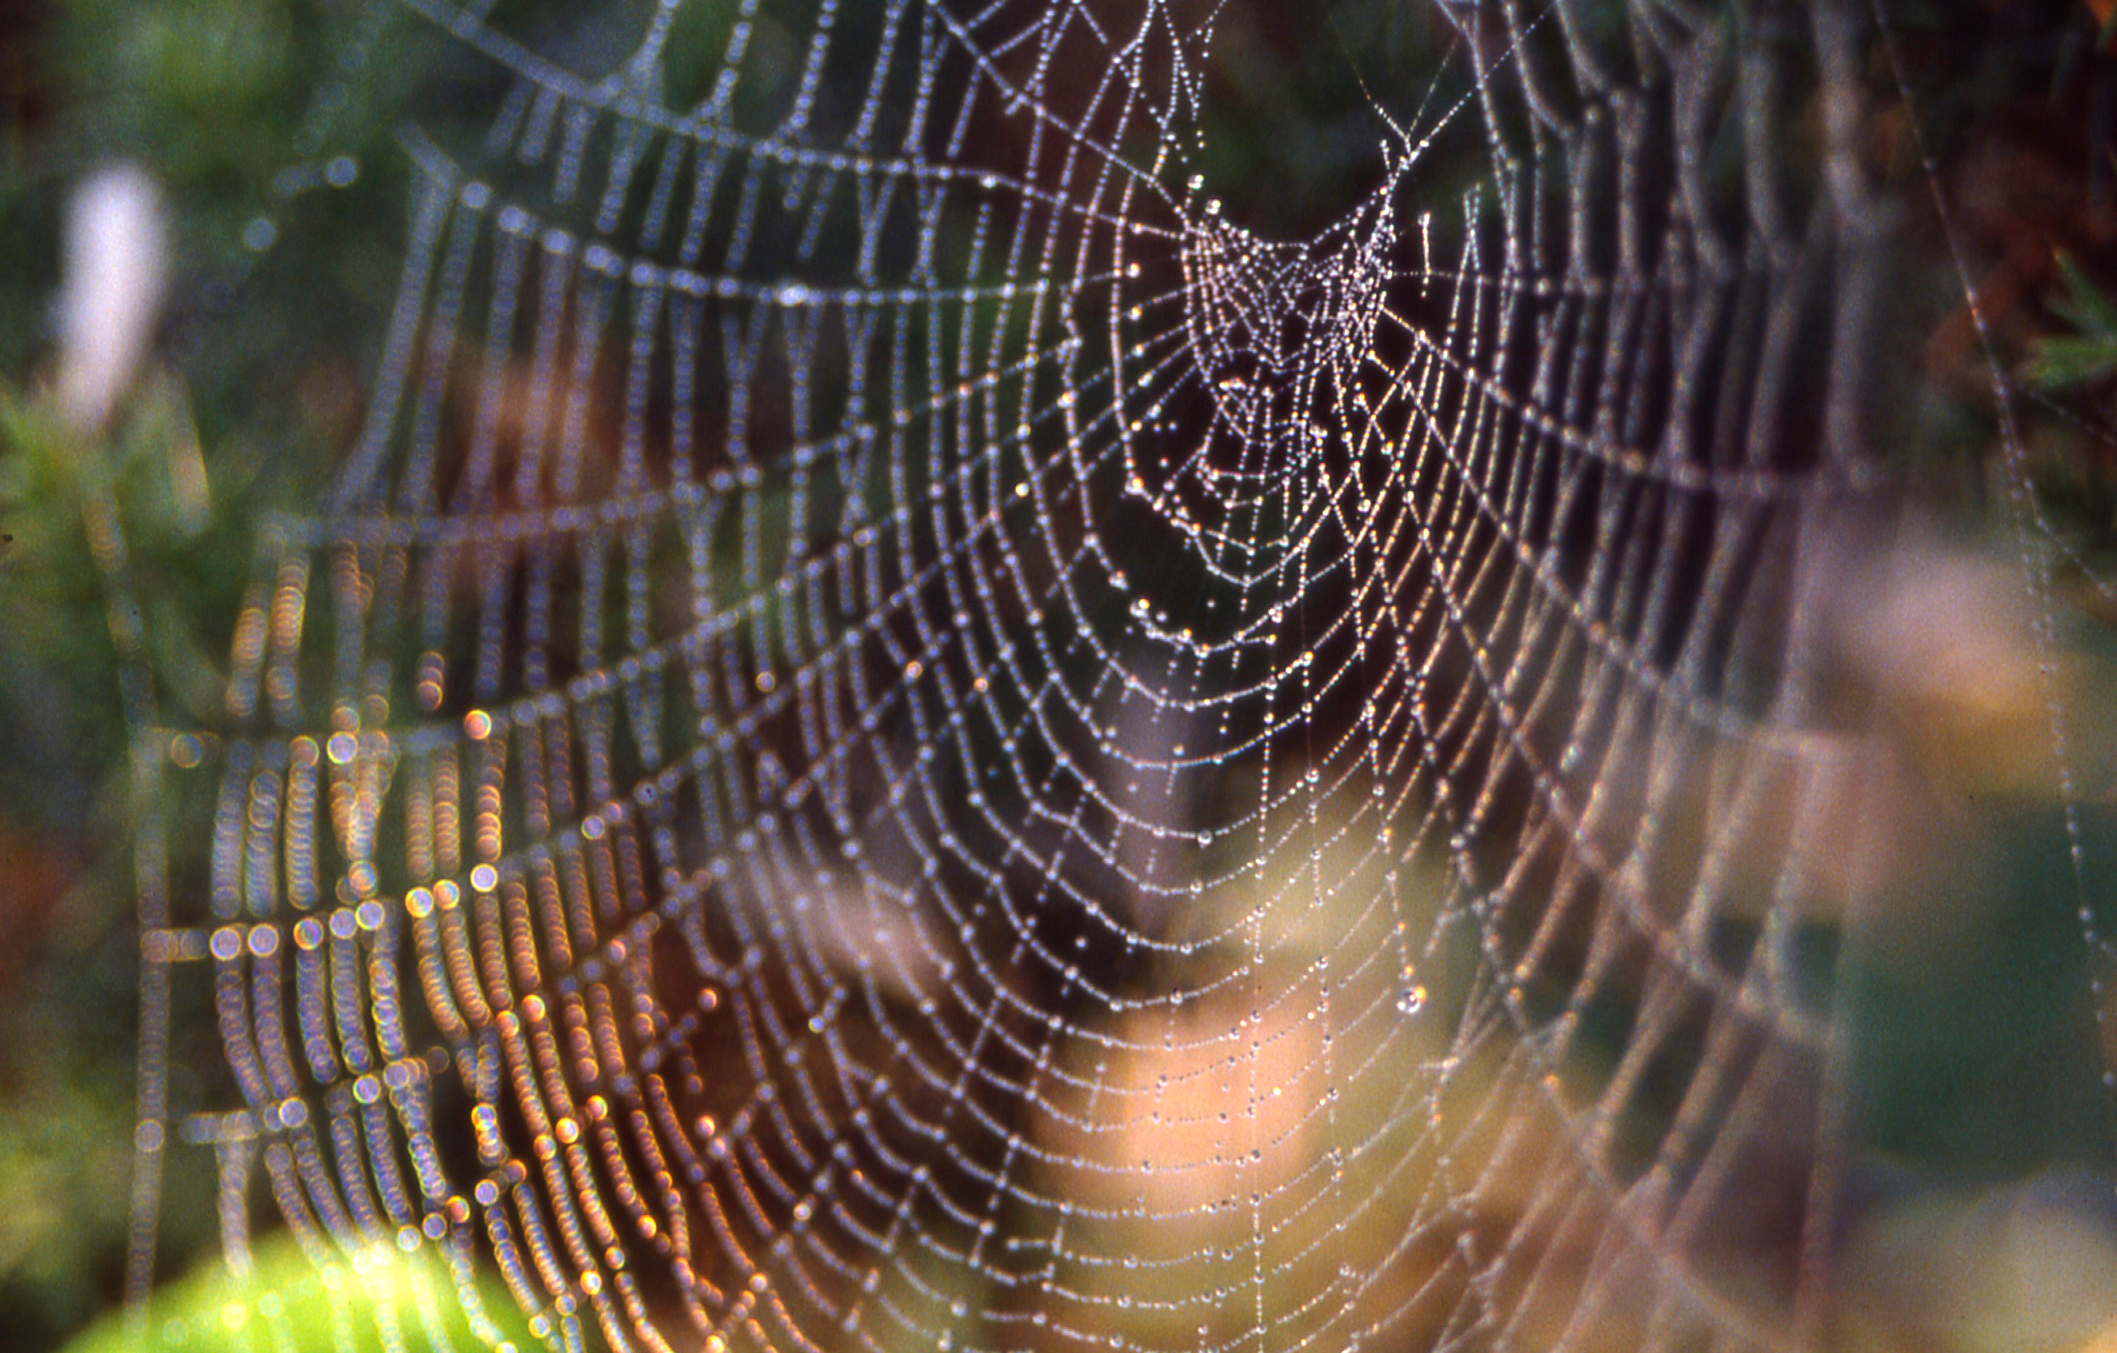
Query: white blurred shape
[{"x": 115, "y": 269}]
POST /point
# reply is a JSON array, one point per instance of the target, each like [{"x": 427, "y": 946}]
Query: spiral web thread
[{"x": 899, "y": 734}]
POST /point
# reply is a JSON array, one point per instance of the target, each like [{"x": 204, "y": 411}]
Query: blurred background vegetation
[
  {"x": 276, "y": 187},
  {"x": 283, "y": 189}
]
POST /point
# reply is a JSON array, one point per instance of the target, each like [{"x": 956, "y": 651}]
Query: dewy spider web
[{"x": 901, "y": 734}]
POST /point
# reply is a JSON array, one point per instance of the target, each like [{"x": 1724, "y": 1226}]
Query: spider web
[{"x": 900, "y": 733}]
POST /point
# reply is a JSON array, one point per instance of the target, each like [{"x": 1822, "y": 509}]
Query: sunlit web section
[{"x": 902, "y": 733}]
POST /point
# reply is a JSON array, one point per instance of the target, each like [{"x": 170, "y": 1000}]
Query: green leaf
[
  {"x": 2088, "y": 355},
  {"x": 288, "y": 1304},
  {"x": 2087, "y": 308},
  {"x": 2066, "y": 363}
]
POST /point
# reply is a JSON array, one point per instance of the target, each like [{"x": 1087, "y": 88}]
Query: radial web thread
[{"x": 899, "y": 733}]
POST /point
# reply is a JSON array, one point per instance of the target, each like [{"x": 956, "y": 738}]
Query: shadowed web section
[{"x": 898, "y": 733}]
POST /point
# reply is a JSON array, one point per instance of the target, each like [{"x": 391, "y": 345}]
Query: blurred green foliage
[
  {"x": 289, "y": 1303},
  {"x": 277, "y": 173},
  {"x": 2088, "y": 353}
]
